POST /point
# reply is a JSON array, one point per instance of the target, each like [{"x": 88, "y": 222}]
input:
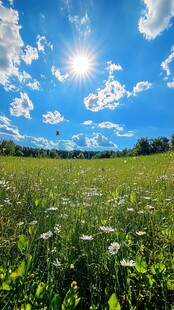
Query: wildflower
[
  {"x": 33, "y": 222},
  {"x": 149, "y": 207},
  {"x": 140, "y": 233},
  {"x": 46, "y": 235},
  {"x": 86, "y": 237},
  {"x": 74, "y": 284},
  {"x": 51, "y": 209},
  {"x": 114, "y": 247},
  {"x": 127, "y": 263},
  {"x": 57, "y": 228},
  {"x": 57, "y": 263},
  {"x": 106, "y": 229},
  {"x": 130, "y": 209}
]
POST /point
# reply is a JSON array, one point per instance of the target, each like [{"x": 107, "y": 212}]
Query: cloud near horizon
[{"x": 97, "y": 140}]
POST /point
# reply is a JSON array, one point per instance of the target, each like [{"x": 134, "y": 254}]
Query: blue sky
[{"x": 101, "y": 72}]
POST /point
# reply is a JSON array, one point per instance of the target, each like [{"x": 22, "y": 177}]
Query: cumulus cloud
[
  {"x": 9, "y": 130},
  {"x": 58, "y": 75},
  {"x": 41, "y": 142},
  {"x": 112, "y": 92},
  {"x": 96, "y": 141},
  {"x": 21, "y": 106},
  {"x": 31, "y": 54},
  {"x": 156, "y": 17},
  {"x": 11, "y": 43},
  {"x": 165, "y": 63},
  {"x": 52, "y": 117},
  {"x": 82, "y": 25},
  {"x": 106, "y": 97},
  {"x": 141, "y": 86}
]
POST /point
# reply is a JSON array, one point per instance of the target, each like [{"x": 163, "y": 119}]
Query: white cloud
[
  {"x": 96, "y": 141},
  {"x": 82, "y": 25},
  {"x": 41, "y": 142},
  {"x": 110, "y": 125},
  {"x": 128, "y": 134},
  {"x": 9, "y": 130},
  {"x": 156, "y": 17},
  {"x": 109, "y": 95},
  {"x": 141, "y": 86},
  {"x": 113, "y": 67},
  {"x": 21, "y": 106},
  {"x": 31, "y": 54},
  {"x": 11, "y": 43},
  {"x": 170, "y": 84},
  {"x": 41, "y": 42},
  {"x": 24, "y": 76},
  {"x": 106, "y": 97},
  {"x": 88, "y": 123},
  {"x": 52, "y": 117},
  {"x": 57, "y": 74},
  {"x": 34, "y": 85},
  {"x": 165, "y": 63}
]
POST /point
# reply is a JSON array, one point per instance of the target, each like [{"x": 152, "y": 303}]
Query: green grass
[{"x": 73, "y": 198}]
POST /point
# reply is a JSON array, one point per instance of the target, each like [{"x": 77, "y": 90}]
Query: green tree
[{"x": 172, "y": 142}]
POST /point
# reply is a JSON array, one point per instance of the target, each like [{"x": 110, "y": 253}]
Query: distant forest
[{"x": 144, "y": 146}]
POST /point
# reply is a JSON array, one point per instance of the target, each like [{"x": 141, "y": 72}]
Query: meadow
[{"x": 87, "y": 234}]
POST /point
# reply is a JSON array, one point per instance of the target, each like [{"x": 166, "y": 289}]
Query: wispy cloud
[
  {"x": 52, "y": 117},
  {"x": 128, "y": 134},
  {"x": 58, "y": 75},
  {"x": 156, "y": 17},
  {"x": 21, "y": 106},
  {"x": 82, "y": 25},
  {"x": 165, "y": 64},
  {"x": 116, "y": 128},
  {"x": 41, "y": 42},
  {"x": 9, "y": 130}
]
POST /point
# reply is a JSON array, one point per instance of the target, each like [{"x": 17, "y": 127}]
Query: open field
[{"x": 98, "y": 230}]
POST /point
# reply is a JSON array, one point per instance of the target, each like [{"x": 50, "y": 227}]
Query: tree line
[{"x": 144, "y": 146}]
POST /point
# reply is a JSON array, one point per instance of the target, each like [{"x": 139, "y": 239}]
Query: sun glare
[{"x": 81, "y": 65}]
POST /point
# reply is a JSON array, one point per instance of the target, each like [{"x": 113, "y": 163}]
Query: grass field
[{"x": 78, "y": 234}]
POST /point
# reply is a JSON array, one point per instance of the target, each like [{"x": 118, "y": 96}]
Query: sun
[{"x": 81, "y": 65}]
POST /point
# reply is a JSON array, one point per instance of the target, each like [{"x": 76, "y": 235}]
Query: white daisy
[{"x": 114, "y": 247}]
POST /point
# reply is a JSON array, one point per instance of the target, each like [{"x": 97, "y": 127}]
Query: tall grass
[{"x": 58, "y": 219}]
